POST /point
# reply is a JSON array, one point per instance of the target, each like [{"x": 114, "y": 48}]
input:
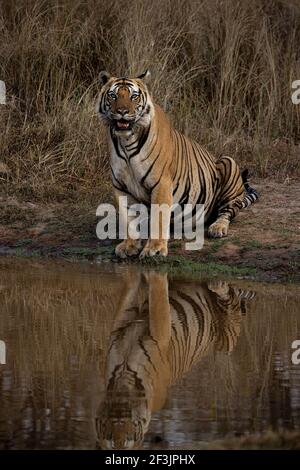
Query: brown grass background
[{"x": 223, "y": 69}]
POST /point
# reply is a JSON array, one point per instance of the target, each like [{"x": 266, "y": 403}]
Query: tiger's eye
[
  {"x": 135, "y": 96},
  {"x": 112, "y": 95}
]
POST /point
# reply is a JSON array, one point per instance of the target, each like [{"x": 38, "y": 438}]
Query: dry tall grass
[{"x": 223, "y": 69}]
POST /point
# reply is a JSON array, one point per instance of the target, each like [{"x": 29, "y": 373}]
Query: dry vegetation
[{"x": 223, "y": 69}]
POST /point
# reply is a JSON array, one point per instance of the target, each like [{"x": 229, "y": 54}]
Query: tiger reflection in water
[{"x": 159, "y": 334}]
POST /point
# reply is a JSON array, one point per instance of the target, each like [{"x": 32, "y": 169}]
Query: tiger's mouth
[{"x": 123, "y": 125}]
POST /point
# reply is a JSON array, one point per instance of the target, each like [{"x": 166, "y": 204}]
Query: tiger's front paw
[
  {"x": 128, "y": 248},
  {"x": 218, "y": 229},
  {"x": 155, "y": 247}
]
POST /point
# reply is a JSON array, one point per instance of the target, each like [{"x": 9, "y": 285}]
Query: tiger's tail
[{"x": 251, "y": 194}]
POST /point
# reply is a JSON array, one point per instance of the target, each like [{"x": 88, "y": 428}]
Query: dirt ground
[{"x": 263, "y": 242}]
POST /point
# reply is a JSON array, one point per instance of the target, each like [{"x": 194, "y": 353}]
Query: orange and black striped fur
[
  {"x": 152, "y": 163},
  {"x": 160, "y": 332}
]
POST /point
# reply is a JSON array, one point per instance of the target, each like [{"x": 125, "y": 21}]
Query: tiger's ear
[
  {"x": 104, "y": 77},
  {"x": 145, "y": 76}
]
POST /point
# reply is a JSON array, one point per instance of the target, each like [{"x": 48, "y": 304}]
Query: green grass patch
[
  {"x": 88, "y": 251},
  {"x": 181, "y": 265},
  {"x": 23, "y": 242},
  {"x": 23, "y": 253}
]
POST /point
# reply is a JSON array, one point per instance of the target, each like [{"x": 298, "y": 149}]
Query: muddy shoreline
[
  {"x": 263, "y": 243},
  {"x": 264, "y": 266}
]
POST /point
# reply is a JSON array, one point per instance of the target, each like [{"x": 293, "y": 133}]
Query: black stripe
[
  {"x": 182, "y": 316},
  {"x": 184, "y": 198},
  {"x": 128, "y": 147},
  {"x": 116, "y": 146},
  {"x": 151, "y": 150},
  {"x": 142, "y": 142},
  {"x": 122, "y": 187},
  {"x": 149, "y": 169},
  {"x": 155, "y": 184},
  {"x": 176, "y": 347},
  {"x": 146, "y": 353},
  {"x": 202, "y": 195}
]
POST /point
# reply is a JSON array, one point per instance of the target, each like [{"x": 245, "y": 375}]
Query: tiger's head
[
  {"x": 121, "y": 424},
  {"x": 124, "y": 103}
]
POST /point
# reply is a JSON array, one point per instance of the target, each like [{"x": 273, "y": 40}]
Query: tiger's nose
[{"x": 123, "y": 111}]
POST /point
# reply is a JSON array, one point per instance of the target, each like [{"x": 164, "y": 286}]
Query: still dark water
[{"x": 131, "y": 358}]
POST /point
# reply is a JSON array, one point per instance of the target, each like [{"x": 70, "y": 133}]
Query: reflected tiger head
[
  {"x": 122, "y": 423},
  {"x": 124, "y": 103}
]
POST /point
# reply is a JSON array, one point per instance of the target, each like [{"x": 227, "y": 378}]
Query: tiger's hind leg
[{"x": 230, "y": 197}]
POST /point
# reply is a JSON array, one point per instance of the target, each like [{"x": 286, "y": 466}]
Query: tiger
[
  {"x": 161, "y": 330},
  {"x": 153, "y": 163}
]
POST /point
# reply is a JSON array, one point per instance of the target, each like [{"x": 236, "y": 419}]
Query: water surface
[{"x": 117, "y": 356}]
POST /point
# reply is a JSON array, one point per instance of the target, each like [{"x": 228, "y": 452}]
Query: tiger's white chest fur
[{"x": 129, "y": 168}]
